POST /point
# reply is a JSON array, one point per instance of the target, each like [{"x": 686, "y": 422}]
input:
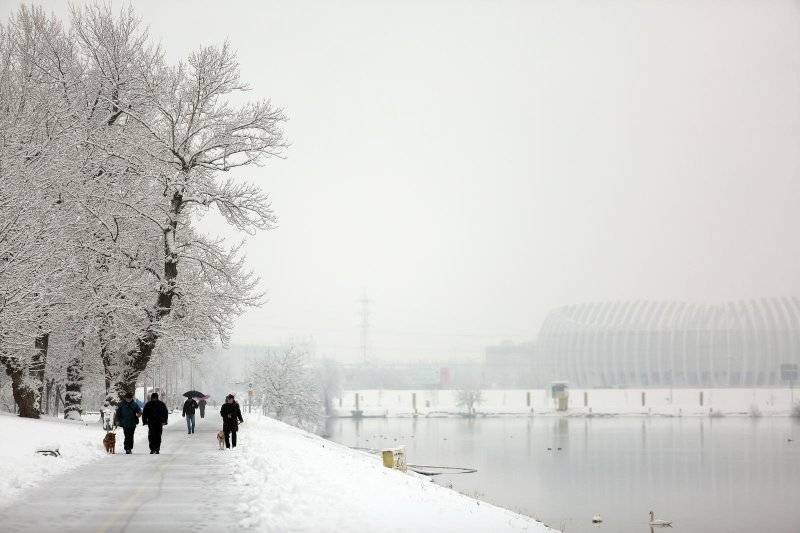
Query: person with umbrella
[
  {"x": 231, "y": 417},
  {"x": 188, "y": 412},
  {"x": 154, "y": 416},
  {"x": 202, "y": 404}
]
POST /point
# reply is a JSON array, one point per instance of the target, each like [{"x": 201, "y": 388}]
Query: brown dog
[
  {"x": 110, "y": 442},
  {"x": 221, "y": 439}
]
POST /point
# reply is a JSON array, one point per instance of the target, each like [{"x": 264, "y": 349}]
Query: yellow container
[{"x": 395, "y": 458}]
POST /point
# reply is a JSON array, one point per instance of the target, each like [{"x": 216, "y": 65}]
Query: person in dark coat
[
  {"x": 128, "y": 413},
  {"x": 189, "y": 407},
  {"x": 202, "y": 404},
  {"x": 231, "y": 417},
  {"x": 155, "y": 416}
]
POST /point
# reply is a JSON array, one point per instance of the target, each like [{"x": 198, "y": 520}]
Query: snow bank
[
  {"x": 521, "y": 402},
  {"x": 22, "y": 467},
  {"x": 301, "y": 482}
]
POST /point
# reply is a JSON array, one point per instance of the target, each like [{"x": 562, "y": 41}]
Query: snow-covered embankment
[
  {"x": 20, "y": 465},
  {"x": 296, "y": 481}
]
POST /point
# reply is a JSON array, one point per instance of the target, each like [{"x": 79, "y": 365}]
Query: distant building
[
  {"x": 510, "y": 366},
  {"x": 661, "y": 344},
  {"x": 411, "y": 375}
]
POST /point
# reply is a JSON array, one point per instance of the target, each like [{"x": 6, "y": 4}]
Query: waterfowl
[
  {"x": 596, "y": 519},
  {"x": 659, "y": 523}
]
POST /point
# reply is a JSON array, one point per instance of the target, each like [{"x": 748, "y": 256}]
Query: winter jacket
[
  {"x": 155, "y": 413},
  {"x": 189, "y": 406},
  {"x": 126, "y": 414},
  {"x": 231, "y": 416}
]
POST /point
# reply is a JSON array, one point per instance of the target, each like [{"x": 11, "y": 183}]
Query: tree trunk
[
  {"x": 106, "y": 354},
  {"x": 107, "y": 357},
  {"x": 135, "y": 364},
  {"x": 136, "y": 360},
  {"x": 48, "y": 393},
  {"x": 36, "y": 374},
  {"x": 73, "y": 399},
  {"x": 24, "y": 396},
  {"x": 58, "y": 397}
]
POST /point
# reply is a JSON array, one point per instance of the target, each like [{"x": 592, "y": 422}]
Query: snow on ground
[
  {"x": 521, "y": 402},
  {"x": 301, "y": 482},
  {"x": 20, "y": 465},
  {"x": 286, "y": 480},
  {"x": 189, "y": 486}
]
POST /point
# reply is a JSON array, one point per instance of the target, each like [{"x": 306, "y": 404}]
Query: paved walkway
[{"x": 188, "y": 487}]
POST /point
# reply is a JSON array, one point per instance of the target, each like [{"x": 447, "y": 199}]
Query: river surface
[{"x": 705, "y": 474}]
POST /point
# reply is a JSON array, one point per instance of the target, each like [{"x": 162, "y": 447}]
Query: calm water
[{"x": 706, "y": 475}]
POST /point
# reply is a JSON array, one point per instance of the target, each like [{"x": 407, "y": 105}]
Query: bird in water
[
  {"x": 596, "y": 519},
  {"x": 659, "y": 523}
]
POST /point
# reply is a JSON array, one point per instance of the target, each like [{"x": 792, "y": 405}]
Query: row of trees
[{"x": 109, "y": 156}]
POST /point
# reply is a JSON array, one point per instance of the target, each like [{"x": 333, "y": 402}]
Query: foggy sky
[{"x": 473, "y": 165}]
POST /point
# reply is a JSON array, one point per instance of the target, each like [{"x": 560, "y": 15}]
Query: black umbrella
[{"x": 193, "y": 394}]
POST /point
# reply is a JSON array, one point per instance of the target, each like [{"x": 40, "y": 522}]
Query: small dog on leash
[
  {"x": 221, "y": 439},
  {"x": 110, "y": 442}
]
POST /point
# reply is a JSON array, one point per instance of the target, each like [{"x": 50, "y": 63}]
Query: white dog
[{"x": 221, "y": 439}]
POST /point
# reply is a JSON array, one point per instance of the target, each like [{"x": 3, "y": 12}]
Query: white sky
[{"x": 474, "y": 164}]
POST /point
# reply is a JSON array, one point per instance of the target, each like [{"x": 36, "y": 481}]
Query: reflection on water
[{"x": 704, "y": 474}]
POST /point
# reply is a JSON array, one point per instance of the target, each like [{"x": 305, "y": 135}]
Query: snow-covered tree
[
  {"x": 289, "y": 391},
  {"x": 469, "y": 398},
  {"x": 108, "y": 157},
  {"x": 37, "y": 131},
  {"x": 180, "y": 133}
]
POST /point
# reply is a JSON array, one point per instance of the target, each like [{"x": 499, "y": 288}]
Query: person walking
[
  {"x": 202, "y": 404},
  {"x": 128, "y": 413},
  {"x": 231, "y": 417},
  {"x": 154, "y": 416},
  {"x": 188, "y": 412}
]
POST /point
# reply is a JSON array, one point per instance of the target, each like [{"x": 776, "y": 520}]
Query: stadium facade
[{"x": 663, "y": 344}]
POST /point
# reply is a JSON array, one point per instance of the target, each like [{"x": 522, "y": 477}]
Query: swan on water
[
  {"x": 659, "y": 523},
  {"x": 596, "y": 519}
]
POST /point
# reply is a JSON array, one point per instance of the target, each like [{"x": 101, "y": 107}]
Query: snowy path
[{"x": 188, "y": 487}]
